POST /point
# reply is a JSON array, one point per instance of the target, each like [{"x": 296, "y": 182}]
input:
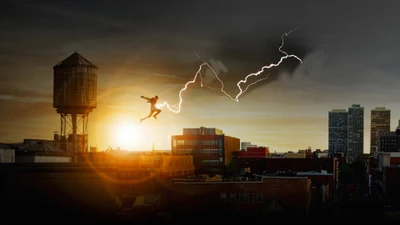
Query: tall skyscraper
[
  {"x": 355, "y": 132},
  {"x": 380, "y": 122},
  {"x": 337, "y": 131}
]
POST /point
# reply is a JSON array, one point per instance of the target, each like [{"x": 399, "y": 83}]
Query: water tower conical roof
[{"x": 75, "y": 60}]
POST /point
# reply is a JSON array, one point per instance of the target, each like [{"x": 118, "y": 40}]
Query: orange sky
[{"x": 141, "y": 53}]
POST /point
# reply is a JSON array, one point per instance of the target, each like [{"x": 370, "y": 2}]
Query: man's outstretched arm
[{"x": 145, "y": 97}]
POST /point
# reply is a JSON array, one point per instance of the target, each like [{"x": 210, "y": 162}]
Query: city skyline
[{"x": 138, "y": 54}]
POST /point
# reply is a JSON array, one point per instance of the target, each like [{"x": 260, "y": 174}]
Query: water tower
[{"x": 74, "y": 97}]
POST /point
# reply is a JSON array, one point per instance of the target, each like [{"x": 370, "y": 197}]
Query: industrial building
[
  {"x": 7, "y": 154},
  {"x": 37, "y": 151}
]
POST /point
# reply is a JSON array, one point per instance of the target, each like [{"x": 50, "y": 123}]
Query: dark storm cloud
[
  {"x": 242, "y": 55},
  {"x": 249, "y": 53},
  {"x": 50, "y": 26},
  {"x": 153, "y": 36}
]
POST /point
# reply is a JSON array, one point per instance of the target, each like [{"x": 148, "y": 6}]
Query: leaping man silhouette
[{"x": 153, "y": 107}]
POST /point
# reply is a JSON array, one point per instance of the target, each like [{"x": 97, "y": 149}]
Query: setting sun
[{"x": 126, "y": 135}]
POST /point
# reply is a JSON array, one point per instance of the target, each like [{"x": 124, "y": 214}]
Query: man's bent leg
[{"x": 157, "y": 111}]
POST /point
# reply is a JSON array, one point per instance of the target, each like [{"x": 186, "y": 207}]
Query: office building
[
  {"x": 337, "y": 131},
  {"x": 211, "y": 148},
  {"x": 380, "y": 122},
  {"x": 389, "y": 141},
  {"x": 355, "y": 132}
]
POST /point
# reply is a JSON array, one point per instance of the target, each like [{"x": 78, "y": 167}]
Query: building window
[
  {"x": 259, "y": 197},
  {"x": 250, "y": 197},
  {"x": 210, "y": 162},
  {"x": 241, "y": 197},
  {"x": 232, "y": 197},
  {"x": 223, "y": 197}
]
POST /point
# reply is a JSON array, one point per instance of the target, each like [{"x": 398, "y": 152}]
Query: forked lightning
[{"x": 177, "y": 107}]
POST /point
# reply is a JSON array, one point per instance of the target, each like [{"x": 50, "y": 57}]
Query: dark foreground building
[{"x": 83, "y": 193}]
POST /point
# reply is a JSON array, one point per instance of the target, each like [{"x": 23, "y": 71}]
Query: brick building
[
  {"x": 87, "y": 190},
  {"x": 389, "y": 141},
  {"x": 387, "y": 179},
  {"x": 273, "y": 165},
  {"x": 211, "y": 148},
  {"x": 55, "y": 193},
  {"x": 296, "y": 155},
  {"x": 250, "y": 158},
  {"x": 300, "y": 165},
  {"x": 322, "y": 190},
  {"x": 253, "y": 153},
  {"x": 389, "y": 187},
  {"x": 269, "y": 195}
]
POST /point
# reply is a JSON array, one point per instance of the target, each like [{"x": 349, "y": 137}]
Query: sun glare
[{"x": 127, "y": 135}]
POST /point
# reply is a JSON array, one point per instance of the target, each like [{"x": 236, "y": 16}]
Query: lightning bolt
[{"x": 177, "y": 107}]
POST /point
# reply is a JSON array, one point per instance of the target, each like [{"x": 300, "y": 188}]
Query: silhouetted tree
[{"x": 232, "y": 169}]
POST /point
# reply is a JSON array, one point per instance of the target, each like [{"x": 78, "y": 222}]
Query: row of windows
[
  {"x": 197, "y": 142},
  {"x": 179, "y": 162},
  {"x": 154, "y": 162},
  {"x": 243, "y": 197},
  {"x": 210, "y": 150},
  {"x": 200, "y": 151},
  {"x": 185, "y": 151},
  {"x": 158, "y": 162},
  {"x": 210, "y": 161}
]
